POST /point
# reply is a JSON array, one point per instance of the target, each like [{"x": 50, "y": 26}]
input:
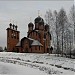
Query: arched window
[{"x": 39, "y": 47}]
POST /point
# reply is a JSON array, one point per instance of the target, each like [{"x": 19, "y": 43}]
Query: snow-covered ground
[
  {"x": 35, "y": 64},
  {"x": 12, "y": 69}
]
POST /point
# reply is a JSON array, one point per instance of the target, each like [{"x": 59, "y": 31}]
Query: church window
[
  {"x": 14, "y": 35},
  {"x": 39, "y": 47}
]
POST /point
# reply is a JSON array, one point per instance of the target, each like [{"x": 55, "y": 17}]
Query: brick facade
[
  {"x": 38, "y": 38},
  {"x": 12, "y": 37}
]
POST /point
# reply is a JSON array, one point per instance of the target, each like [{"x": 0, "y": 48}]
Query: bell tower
[{"x": 12, "y": 37}]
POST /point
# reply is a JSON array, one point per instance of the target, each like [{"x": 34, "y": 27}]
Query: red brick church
[{"x": 38, "y": 38}]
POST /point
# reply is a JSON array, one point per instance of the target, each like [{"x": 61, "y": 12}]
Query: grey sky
[{"x": 21, "y": 11}]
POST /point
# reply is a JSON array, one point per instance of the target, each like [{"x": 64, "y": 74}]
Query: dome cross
[{"x": 38, "y": 12}]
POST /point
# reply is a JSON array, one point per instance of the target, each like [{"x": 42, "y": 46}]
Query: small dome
[
  {"x": 47, "y": 25},
  {"x": 10, "y": 24},
  {"x": 39, "y": 20},
  {"x": 30, "y": 24}
]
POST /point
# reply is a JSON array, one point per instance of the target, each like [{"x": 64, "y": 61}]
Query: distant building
[{"x": 38, "y": 38}]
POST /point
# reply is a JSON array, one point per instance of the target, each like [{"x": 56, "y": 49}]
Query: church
[{"x": 38, "y": 38}]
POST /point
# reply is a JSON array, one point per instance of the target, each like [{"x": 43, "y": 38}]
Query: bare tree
[
  {"x": 50, "y": 21},
  {"x": 72, "y": 20},
  {"x": 57, "y": 32},
  {"x": 61, "y": 29},
  {"x": 62, "y": 20}
]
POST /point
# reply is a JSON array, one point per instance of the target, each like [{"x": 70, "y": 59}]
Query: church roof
[
  {"x": 30, "y": 39},
  {"x": 47, "y": 25},
  {"x": 19, "y": 43},
  {"x": 36, "y": 43},
  {"x": 30, "y": 24},
  {"x": 38, "y": 20},
  {"x": 33, "y": 31},
  {"x": 33, "y": 42}
]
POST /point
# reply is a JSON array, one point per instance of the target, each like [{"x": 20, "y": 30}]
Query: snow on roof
[
  {"x": 19, "y": 43},
  {"x": 30, "y": 39},
  {"x": 37, "y": 30},
  {"x": 36, "y": 42}
]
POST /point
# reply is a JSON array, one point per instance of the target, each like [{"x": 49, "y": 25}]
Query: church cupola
[
  {"x": 16, "y": 27},
  {"x": 30, "y": 26},
  {"x": 12, "y": 37},
  {"x": 13, "y": 26},
  {"x": 10, "y": 25},
  {"x": 38, "y": 21},
  {"x": 46, "y": 27}
]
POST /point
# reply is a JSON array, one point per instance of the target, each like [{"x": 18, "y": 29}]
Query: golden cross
[{"x": 38, "y": 12}]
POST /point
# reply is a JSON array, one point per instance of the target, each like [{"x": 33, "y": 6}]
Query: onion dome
[
  {"x": 13, "y": 26},
  {"x": 16, "y": 27},
  {"x": 39, "y": 20},
  {"x": 30, "y": 24},
  {"x": 46, "y": 27},
  {"x": 10, "y": 24}
]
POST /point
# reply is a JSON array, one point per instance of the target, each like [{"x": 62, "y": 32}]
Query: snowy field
[{"x": 35, "y": 64}]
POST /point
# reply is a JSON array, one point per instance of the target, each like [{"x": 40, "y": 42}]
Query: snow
[
  {"x": 36, "y": 42},
  {"x": 19, "y": 43},
  {"x": 38, "y": 64},
  {"x": 10, "y": 69}
]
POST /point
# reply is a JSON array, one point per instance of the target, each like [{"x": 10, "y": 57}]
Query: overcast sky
[{"x": 21, "y": 11}]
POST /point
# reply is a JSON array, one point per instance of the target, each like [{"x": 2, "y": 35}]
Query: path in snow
[
  {"x": 49, "y": 64},
  {"x": 12, "y": 69}
]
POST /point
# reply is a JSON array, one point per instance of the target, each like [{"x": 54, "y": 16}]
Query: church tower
[
  {"x": 30, "y": 27},
  {"x": 12, "y": 37}
]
